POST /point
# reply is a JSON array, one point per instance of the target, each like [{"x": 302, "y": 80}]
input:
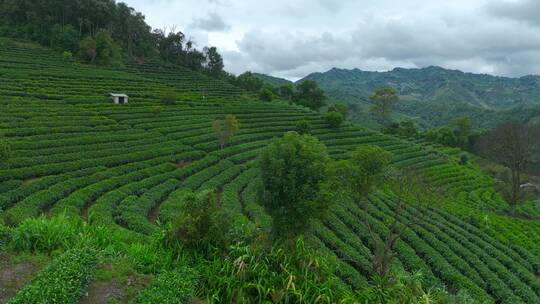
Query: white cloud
[{"x": 294, "y": 38}]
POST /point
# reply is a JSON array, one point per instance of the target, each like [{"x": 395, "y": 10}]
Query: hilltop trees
[
  {"x": 293, "y": 169},
  {"x": 384, "y": 100},
  {"x": 225, "y": 129},
  {"x": 101, "y": 31},
  {"x": 515, "y": 146}
]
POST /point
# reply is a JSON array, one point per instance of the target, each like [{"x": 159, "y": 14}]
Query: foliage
[
  {"x": 463, "y": 159},
  {"x": 266, "y": 95},
  {"x": 73, "y": 269},
  {"x": 107, "y": 52},
  {"x": 64, "y": 38},
  {"x": 57, "y": 233},
  {"x": 168, "y": 97},
  {"x": 225, "y": 129},
  {"x": 404, "y": 288},
  {"x": 310, "y": 95},
  {"x": 214, "y": 62},
  {"x": 80, "y": 26},
  {"x": 67, "y": 56},
  {"x": 303, "y": 127},
  {"x": 366, "y": 169},
  {"x": 384, "y": 100},
  {"x": 341, "y": 108},
  {"x": 463, "y": 129},
  {"x": 334, "y": 119},
  {"x": 279, "y": 274},
  {"x": 248, "y": 81},
  {"x": 406, "y": 128},
  {"x": 88, "y": 49},
  {"x": 201, "y": 223},
  {"x": 436, "y": 95},
  {"x": 5, "y": 150},
  {"x": 443, "y": 135},
  {"x": 292, "y": 170},
  {"x": 177, "y": 286},
  {"x": 515, "y": 146}
]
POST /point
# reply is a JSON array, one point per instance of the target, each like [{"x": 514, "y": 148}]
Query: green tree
[
  {"x": 225, "y": 129},
  {"x": 108, "y": 52},
  {"x": 334, "y": 119},
  {"x": 515, "y": 146},
  {"x": 201, "y": 224},
  {"x": 64, "y": 38},
  {"x": 286, "y": 92},
  {"x": 463, "y": 129},
  {"x": 366, "y": 169},
  {"x": 292, "y": 171},
  {"x": 214, "y": 61},
  {"x": 310, "y": 95},
  {"x": 384, "y": 100},
  {"x": 303, "y": 127},
  {"x": 249, "y": 82},
  {"x": 87, "y": 49},
  {"x": 266, "y": 95},
  {"x": 341, "y": 108}
]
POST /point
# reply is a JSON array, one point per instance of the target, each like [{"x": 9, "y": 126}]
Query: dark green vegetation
[
  {"x": 110, "y": 183},
  {"x": 102, "y": 32},
  {"x": 434, "y": 96}
]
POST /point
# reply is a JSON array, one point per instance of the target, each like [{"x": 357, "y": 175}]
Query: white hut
[{"x": 119, "y": 98}]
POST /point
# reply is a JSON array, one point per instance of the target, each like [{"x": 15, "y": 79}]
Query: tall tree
[
  {"x": 292, "y": 171},
  {"x": 463, "y": 129},
  {"x": 310, "y": 95},
  {"x": 384, "y": 100},
  {"x": 225, "y": 129},
  {"x": 214, "y": 61},
  {"x": 515, "y": 146}
]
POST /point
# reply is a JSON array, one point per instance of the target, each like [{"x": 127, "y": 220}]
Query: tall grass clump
[{"x": 59, "y": 233}]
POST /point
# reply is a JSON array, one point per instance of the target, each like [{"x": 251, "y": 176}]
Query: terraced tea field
[{"x": 129, "y": 167}]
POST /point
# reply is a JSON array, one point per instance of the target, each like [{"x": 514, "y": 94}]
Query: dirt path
[
  {"x": 114, "y": 290},
  {"x": 14, "y": 276}
]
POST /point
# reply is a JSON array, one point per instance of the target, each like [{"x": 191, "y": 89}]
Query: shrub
[
  {"x": 64, "y": 280},
  {"x": 275, "y": 274},
  {"x": 463, "y": 159},
  {"x": 334, "y": 119},
  {"x": 168, "y": 97},
  {"x": 176, "y": 287},
  {"x": 202, "y": 224},
  {"x": 67, "y": 56}
]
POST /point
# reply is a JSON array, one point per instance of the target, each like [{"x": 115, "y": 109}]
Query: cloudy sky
[{"x": 292, "y": 38}]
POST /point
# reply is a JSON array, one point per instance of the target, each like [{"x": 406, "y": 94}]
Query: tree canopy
[
  {"x": 292, "y": 170},
  {"x": 101, "y": 31}
]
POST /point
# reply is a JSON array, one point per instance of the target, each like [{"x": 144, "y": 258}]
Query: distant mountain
[
  {"x": 275, "y": 81},
  {"x": 435, "y": 95}
]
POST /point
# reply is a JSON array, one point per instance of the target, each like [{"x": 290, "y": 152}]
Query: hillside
[
  {"x": 434, "y": 95},
  {"x": 275, "y": 81},
  {"x": 126, "y": 168}
]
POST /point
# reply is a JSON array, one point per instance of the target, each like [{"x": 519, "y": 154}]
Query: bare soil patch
[{"x": 14, "y": 276}]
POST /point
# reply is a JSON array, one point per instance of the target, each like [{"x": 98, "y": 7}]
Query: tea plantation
[{"x": 124, "y": 171}]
